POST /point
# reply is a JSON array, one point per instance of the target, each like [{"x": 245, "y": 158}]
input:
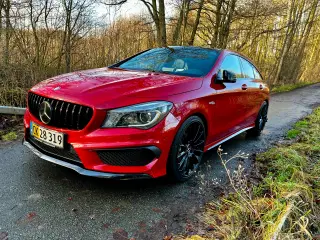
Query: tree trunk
[
  {"x": 214, "y": 40},
  {"x": 302, "y": 44},
  {"x": 226, "y": 25},
  {"x": 285, "y": 46},
  {"x": 8, "y": 30},
  {"x": 1, "y": 8},
  {"x": 35, "y": 36},
  {"x": 162, "y": 23},
  {"x": 196, "y": 23},
  {"x": 68, "y": 52},
  {"x": 176, "y": 34},
  {"x": 185, "y": 20},
  {"x": 68, "y": 31}
]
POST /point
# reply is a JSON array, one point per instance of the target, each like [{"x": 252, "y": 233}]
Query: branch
[
  {"x": 115, "y": 3},
  {"x": 150, "y": 8}
]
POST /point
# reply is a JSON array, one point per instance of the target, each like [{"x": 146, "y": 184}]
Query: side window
[
  {"x": 247, "y": 69},
  {"x": 231, "y": 63},
  {"x": 256, "y": 74}
]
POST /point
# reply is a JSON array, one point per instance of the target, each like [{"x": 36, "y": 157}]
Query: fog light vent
[{"x": 129, "y": 156}]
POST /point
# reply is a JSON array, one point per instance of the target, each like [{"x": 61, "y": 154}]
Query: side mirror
[{"x": 226, "y": 76}]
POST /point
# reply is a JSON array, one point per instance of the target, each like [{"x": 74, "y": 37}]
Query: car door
[
  {"x": 228, "y": 100},
  {"x": 250, "y": 99},
  {"x": 259, "y": 83}
]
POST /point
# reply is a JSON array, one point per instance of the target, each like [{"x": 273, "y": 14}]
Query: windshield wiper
[{"x": 115, "y": 67}]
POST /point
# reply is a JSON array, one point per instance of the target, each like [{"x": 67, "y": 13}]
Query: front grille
[
  {"x": 64, "y": 114},
  {"x": 67, "y": 154},
  {"x": 127, "y": 157}
]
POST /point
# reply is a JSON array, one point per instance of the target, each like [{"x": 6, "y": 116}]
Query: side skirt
[{"x": 228, "y": 138}]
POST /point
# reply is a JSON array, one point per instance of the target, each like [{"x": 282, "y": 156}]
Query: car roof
[
  {"x": 192, "y": 47},
  {"x": 239, "y": 54},
  {"x": 209, "y": 48},
  {"x": 215, "y": 49}
]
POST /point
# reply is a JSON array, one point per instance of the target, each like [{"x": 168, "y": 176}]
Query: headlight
[{"x": 145, "y": 115}]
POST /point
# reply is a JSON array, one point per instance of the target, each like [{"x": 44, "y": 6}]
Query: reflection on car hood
[{"x": 100, "y": 87}]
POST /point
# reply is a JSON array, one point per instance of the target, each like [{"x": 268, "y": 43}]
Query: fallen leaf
[
  {"x": 195, "y": 237},
  {"x": 120, "y": 234},
  {"x": 218, "y": 222},
  {"x": 106, "y": 225},
  {"x": 4, "y": 236},
  {"x": 189, "y": 228},
  {"x": 142, "y": 224},
  {"x": 31, "y": 215},
  {"x": 157, "y": 210},
  {"x": 117, "y": 209},
  {"x": 210, "y": 227}
]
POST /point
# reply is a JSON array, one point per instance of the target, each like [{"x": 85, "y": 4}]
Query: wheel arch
[
  {"x": 192, "y": 108},
  {"x": 203, "y": 118}
]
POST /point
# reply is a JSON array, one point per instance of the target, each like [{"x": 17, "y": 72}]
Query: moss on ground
[
  {"x": 11, "y": 127},
  {"x": 289, "y": 87},
  {"x": 10, "y": 136}
]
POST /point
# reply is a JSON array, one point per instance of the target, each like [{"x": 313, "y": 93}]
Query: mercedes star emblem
[{"x": 45, "y": 112}]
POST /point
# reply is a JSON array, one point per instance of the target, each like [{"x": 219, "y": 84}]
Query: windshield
[{"x": 184, "y": 61}]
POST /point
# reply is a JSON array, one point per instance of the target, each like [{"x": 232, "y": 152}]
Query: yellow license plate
[{"x": 47, "y": 136}]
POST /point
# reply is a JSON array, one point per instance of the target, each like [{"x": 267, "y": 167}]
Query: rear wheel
[
  {"x": 261, "y": 120},
  {"x": 187, "y": 150}
]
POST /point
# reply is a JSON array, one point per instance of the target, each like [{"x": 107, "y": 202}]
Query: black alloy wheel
[
  {"x": 261, "y": 120},
  {"x": 187, "y": 149}
]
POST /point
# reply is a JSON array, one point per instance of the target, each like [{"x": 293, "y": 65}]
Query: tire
[
  {"x": 261, "y": 120},
  {"x": 187, "y": 150}
]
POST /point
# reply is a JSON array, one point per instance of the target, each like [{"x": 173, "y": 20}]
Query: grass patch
[
  {"x": 11, "y": 127},
  {"x": 285, "y": 203},
  {"x": 290, "y": 87},
  {"x": 9, "y": 136},
  {"x": 293, "y": 133},
  {"x": 298, "y": 127}
]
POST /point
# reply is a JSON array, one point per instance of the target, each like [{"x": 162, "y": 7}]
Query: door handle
[
  {"x": 244, "y": 87},
  {"x": 261, "y": 86}
]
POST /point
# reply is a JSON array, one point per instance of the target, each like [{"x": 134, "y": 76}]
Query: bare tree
[
  {"x": 196, "y": 23},
  {"x": 224, "y": 12},
  {"x": 178, "y": 37},
  {"x": 7, "y": 7},
  {"x": 77, "y": 17},
  {"x": 156, "y": 9},
  {"x": 1, "y": 26}
]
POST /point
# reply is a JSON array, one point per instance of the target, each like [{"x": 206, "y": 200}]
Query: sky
[{"x": 131, "y": 7}]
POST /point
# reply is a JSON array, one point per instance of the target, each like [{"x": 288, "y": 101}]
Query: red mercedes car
[{"x": 150, "y": 115}]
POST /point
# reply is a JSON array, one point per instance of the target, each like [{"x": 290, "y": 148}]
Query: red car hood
[{"x": 109, "y": 88}]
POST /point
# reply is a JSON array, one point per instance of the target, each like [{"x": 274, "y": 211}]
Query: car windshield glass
[{"x": 184, "y": 61}]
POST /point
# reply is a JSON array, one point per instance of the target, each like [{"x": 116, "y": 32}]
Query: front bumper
[
  {"x": 83, "y": 171},
  {"x": 92, "y": 146}
]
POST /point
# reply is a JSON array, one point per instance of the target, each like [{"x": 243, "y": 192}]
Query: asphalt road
[{"x": 39, "y": 200}]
